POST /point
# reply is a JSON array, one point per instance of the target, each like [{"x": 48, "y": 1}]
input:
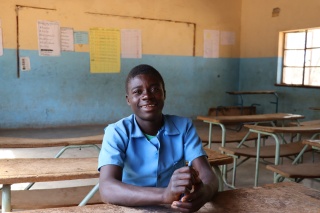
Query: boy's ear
[
  {"x": 128, "y": 101},
  {"x": 164, "y": 93}
]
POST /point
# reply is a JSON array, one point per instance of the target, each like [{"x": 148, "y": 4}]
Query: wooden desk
[
  {"x": 258, "y": 92},
  {"x": 298, "y": 171},
  {"x": 69, "y": 137},
  {"x": 223, "y": 120},
  {"x": 315, "y": 108},
  {"x": 281, "y": 197},
  {"x": 22, "y": 170},
  {"x": 293, "y": 148}
]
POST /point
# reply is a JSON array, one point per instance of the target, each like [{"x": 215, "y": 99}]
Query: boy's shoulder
[
  {"x": 123, "y": 123},
  {"x": 178, "y": 120}
]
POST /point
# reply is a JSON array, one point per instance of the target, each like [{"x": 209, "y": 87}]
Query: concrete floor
[{"x": 245, "y": 172}]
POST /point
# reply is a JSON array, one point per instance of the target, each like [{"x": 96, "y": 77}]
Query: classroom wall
[
  {"x": 60, "y": 91},
  {"x": 259, "y": 52}
]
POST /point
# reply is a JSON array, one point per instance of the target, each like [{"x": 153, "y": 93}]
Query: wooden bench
[
  {"x": 24, "y": 170},
  {"x": 298, "y": 171},
  {"x": 232, "y": 136},
  {"x": 51, "y": 137},
  {"x": 217, "y": 159},
  {"x": 301, "y": 171},
  {"x": 305, "y": 123},
  {"x": 51, "y": 198},
  {"x": 271, "y": 151}
]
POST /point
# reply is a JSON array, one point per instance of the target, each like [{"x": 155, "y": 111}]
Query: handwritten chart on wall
[
  {"x": 104, "y": 50},
  {"x": 158, "y": 37}
]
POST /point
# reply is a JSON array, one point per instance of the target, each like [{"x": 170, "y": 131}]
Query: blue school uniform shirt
[{"x": 150, "y": 163}]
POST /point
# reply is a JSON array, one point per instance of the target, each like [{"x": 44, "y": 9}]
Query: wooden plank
[
  {"x": 251, "y": 92},
  {"x": 266, "y": 151},
  {"x": 231, "y": 135},
  {"x": 250, "y": 118},
  {"x": 303, "y": 170},
  {"x": 290, "y": 129},
  {"x": 305, "y": 123},
  {"x": 23, "y": 170},
  {"x": 51, "y": 198},
  {"x": 50, "y": 137},
  {"x": 314, "y": 143},
  {"x": 285, "y": 197},
  {"x": 232, "y": 110},
  {"x": 216, "y": 158}
]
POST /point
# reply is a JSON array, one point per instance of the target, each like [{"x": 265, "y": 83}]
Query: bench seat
[
  {"x": 232, "y": 136},
  {"x": 266, "y": 151},
  {"x": 305, "y": 123},
  {"x": 51, "y": 198},
  {"x": 303, "y": 170}
]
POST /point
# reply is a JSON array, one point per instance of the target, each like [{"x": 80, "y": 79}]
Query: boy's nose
[{"x": 146, "y": 94}]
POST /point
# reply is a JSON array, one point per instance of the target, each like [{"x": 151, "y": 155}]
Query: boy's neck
[{"x": 150, "y": 127}]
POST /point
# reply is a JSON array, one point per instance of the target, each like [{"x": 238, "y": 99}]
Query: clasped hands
[{"x": 186, "y": 190}]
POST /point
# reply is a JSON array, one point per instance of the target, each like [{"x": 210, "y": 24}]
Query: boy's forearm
[
  {"x": 128, "y": 195},
  {"x": 211, "y": 184}
]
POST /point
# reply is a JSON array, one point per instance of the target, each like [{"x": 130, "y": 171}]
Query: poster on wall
[
  {"x": 228, "y": 38},
  {"x": 1, "y": 45},
  {"x": 211, "y": 43},
  {"x": 49, "y": 38},
  {"x": 66, "y": 38},
  {"x": 131, "y": 43},
  {"x": 81, "y": 37},
  {"x": 104, "y": 50}
]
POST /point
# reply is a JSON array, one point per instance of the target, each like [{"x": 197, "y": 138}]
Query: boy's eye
[
  {"x": 137, "y": 92},
  {"x": 155, "y": 89}
]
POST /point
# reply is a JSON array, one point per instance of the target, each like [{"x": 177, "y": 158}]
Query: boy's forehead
[{"x": 145, "y": 77}]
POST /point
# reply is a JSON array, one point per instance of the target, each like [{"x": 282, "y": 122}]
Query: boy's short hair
[{"x": 143, "y": 69}]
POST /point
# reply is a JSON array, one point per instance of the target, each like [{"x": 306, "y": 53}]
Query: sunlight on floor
[{"x": 6, "y": 154}]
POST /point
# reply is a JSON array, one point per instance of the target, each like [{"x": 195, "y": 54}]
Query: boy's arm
[{"x": 113, "y": 190}]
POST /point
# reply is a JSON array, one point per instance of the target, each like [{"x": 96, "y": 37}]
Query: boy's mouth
[{"x": 148, "y": 106}]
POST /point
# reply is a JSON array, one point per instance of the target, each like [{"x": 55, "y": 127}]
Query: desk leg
[
  {"x": 210, "y": 133},
  {"x": 6, "y": 198},
  {"x": 217, "y": 171},
  {"x": 257, "y": 160}
]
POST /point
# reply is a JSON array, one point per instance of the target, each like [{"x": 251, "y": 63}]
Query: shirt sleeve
[
  {"x": 193, "y": 145},
  {"x": 113, "y": 147}
]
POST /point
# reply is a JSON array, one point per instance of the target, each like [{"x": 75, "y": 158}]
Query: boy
[{"x": 143, "y": 156}]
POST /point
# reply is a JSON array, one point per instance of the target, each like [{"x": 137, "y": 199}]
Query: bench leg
[
  {"x": 89, "y": 195},
  {"x": 257, "y": 160},
  {"x": 6, "y": 198}
]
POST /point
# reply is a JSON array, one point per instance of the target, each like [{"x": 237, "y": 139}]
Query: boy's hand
[{"x": 181, "y": 182}]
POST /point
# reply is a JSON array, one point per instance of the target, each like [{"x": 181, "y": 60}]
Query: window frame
[{"x": 281, "y": 59}]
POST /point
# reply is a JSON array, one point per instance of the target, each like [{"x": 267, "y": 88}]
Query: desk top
[
  {"x": 283, "y": 197},
  {"x": 250, "y": 118},
  {"x": 23, "y": 170},
  {"x": 216, "y": 158},
  {"x": 315, "y": 108},
  {"x": 50, "y": 137},
  {"x": 315, "y": 143},
  {"x": 252, "y": 92},
  {"x": 289, "y": 129}
]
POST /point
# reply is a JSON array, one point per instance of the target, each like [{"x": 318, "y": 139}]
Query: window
[{"x": 301, "y": 58}]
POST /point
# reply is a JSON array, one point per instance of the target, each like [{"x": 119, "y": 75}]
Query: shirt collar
[{"x": 169, "y": 128}]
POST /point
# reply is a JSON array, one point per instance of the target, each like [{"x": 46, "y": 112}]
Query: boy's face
[{"x": 146, "y": 97}]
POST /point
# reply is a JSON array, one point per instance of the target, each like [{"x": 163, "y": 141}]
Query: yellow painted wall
[
  {"x": 260, "y": 31},
  {"x": 172, "y": 37}
]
